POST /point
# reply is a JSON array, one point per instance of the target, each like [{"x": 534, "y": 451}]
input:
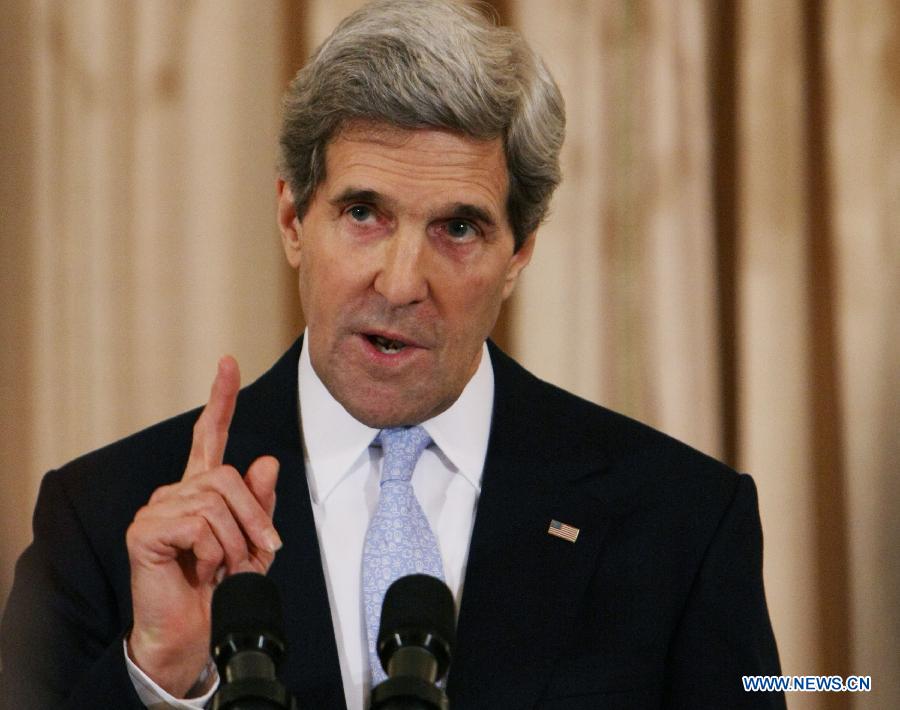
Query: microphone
[
  {"x": 247, "y": 642},
  {"x": 415, "y": 644}
]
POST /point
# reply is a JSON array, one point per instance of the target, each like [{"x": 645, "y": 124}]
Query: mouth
[
  {"x": 388, "y": 346},
  {"x": 387, "y": 343}
]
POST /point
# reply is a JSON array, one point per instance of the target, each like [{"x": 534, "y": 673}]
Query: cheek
[
  {"x": 316, "y": 284},
  {"x": 330, "y": 282},
  {"x": 475, "y": 302}
]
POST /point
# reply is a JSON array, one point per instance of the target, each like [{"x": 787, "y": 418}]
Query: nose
[{"x": 401, "y": 277}]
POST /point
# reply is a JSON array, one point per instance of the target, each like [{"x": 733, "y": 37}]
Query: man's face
[{"x": 404, "y": 255}]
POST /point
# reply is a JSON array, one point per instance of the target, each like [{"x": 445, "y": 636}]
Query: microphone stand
[
  {"x": 247, "y": 642},
  {"x": 415, "y": 644}
]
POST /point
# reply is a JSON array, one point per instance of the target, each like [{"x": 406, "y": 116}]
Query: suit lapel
[
  {"x": 267, "y": 422},
  {"x": 522, "y": 585}
]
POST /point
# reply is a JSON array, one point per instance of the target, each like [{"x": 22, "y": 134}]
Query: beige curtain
[
  {"x": 721, "y": 259},
  {"x": 138, "y": 221}
]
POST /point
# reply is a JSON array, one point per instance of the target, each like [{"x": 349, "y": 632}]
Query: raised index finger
[{"x": 211, "y": 429}]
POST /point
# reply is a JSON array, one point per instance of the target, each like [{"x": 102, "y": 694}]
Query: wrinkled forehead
[
  {"x": 418, "y": 163},
  {"x": 396, "y": 136}
]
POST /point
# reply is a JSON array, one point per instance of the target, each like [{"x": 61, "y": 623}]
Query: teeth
[{"x": 388, "y": 346}]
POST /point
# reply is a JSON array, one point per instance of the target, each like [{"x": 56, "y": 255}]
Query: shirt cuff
[{"x": 155, "y": 698}]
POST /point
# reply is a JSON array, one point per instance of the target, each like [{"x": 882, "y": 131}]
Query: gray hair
[{"x": 436, "y": 64}]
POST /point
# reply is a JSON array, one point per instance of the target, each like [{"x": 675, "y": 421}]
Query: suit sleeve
[
  {"x": 62, "y": 631},
  {"x": 725, "y": 631}
]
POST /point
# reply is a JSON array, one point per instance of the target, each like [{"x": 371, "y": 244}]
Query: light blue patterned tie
[{"x": 399, "y": 540}]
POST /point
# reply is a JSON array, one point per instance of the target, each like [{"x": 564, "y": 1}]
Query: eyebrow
[
  {"x": 357, "y": 194},
  {"x": 472, "y": 212},
  {"x": 459, "y": 210}
]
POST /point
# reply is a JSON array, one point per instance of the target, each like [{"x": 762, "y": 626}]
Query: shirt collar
[{"x": 333, "y": 440}]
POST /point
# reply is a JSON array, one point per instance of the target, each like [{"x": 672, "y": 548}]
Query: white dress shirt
[{"x": 343, "y": 471}]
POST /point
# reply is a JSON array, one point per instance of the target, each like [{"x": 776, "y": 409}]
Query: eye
[
  {"x": 460, "y": 229},
  {"x": 360, "y": 213}
]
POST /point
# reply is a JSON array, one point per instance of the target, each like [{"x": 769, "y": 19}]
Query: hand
[{"x": 190, "y": 534}]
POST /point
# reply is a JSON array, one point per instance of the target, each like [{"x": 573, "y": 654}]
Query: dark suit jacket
[{"x": 659, "y": 603}]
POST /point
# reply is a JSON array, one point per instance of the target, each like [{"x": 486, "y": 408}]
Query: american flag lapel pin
[{"x": 562, "y": 530}]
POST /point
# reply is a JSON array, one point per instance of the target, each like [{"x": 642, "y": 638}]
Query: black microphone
[
  {"x": 247, "y": 642},
  {"x": 415, "y": 644}
]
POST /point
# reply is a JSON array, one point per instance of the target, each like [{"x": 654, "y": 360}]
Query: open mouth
[{"x": 386, "y": 345}]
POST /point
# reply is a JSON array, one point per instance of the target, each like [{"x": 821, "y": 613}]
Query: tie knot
[{"x": 402, "y": 448}]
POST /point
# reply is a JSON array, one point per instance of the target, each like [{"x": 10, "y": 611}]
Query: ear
[
  {"x": 288, "y": 223},
  {"x": 518, "y": 261}
]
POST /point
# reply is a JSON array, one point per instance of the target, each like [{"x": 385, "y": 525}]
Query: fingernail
[
  {"x": 220, "y": 574},
  {"x": 273, "y": 540}
]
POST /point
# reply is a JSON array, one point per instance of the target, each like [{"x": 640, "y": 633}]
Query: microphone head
[
  {"x": 246, "y": 611},
  {"x": 418, "y": 610}
]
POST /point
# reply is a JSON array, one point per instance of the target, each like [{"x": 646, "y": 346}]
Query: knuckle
[
  {"x": 160, "y": 494},
  {"x": 226, "y": 479},
  {"x": 197, "y": 527},
  {"x": 230, "y": 472},
  {"x": 133, "y": 532},
  {"x": 141, "y": 513},
  {"x": 141, "y": 520},
  {"x": 210, "y": 552},
  {"x": 207, "y": 503},
  {"x": 237, "y": 547},
  {"x": 219, "y": 477},
  {"x": 142, "y": 528}
]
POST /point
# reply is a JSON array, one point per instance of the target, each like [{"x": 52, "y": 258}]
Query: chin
[
  {"x": 387, "y": 415},
  {"x": 379, "y": 418}
]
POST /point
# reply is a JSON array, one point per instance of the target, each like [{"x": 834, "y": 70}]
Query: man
[{"x": 595, "y": 562}]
